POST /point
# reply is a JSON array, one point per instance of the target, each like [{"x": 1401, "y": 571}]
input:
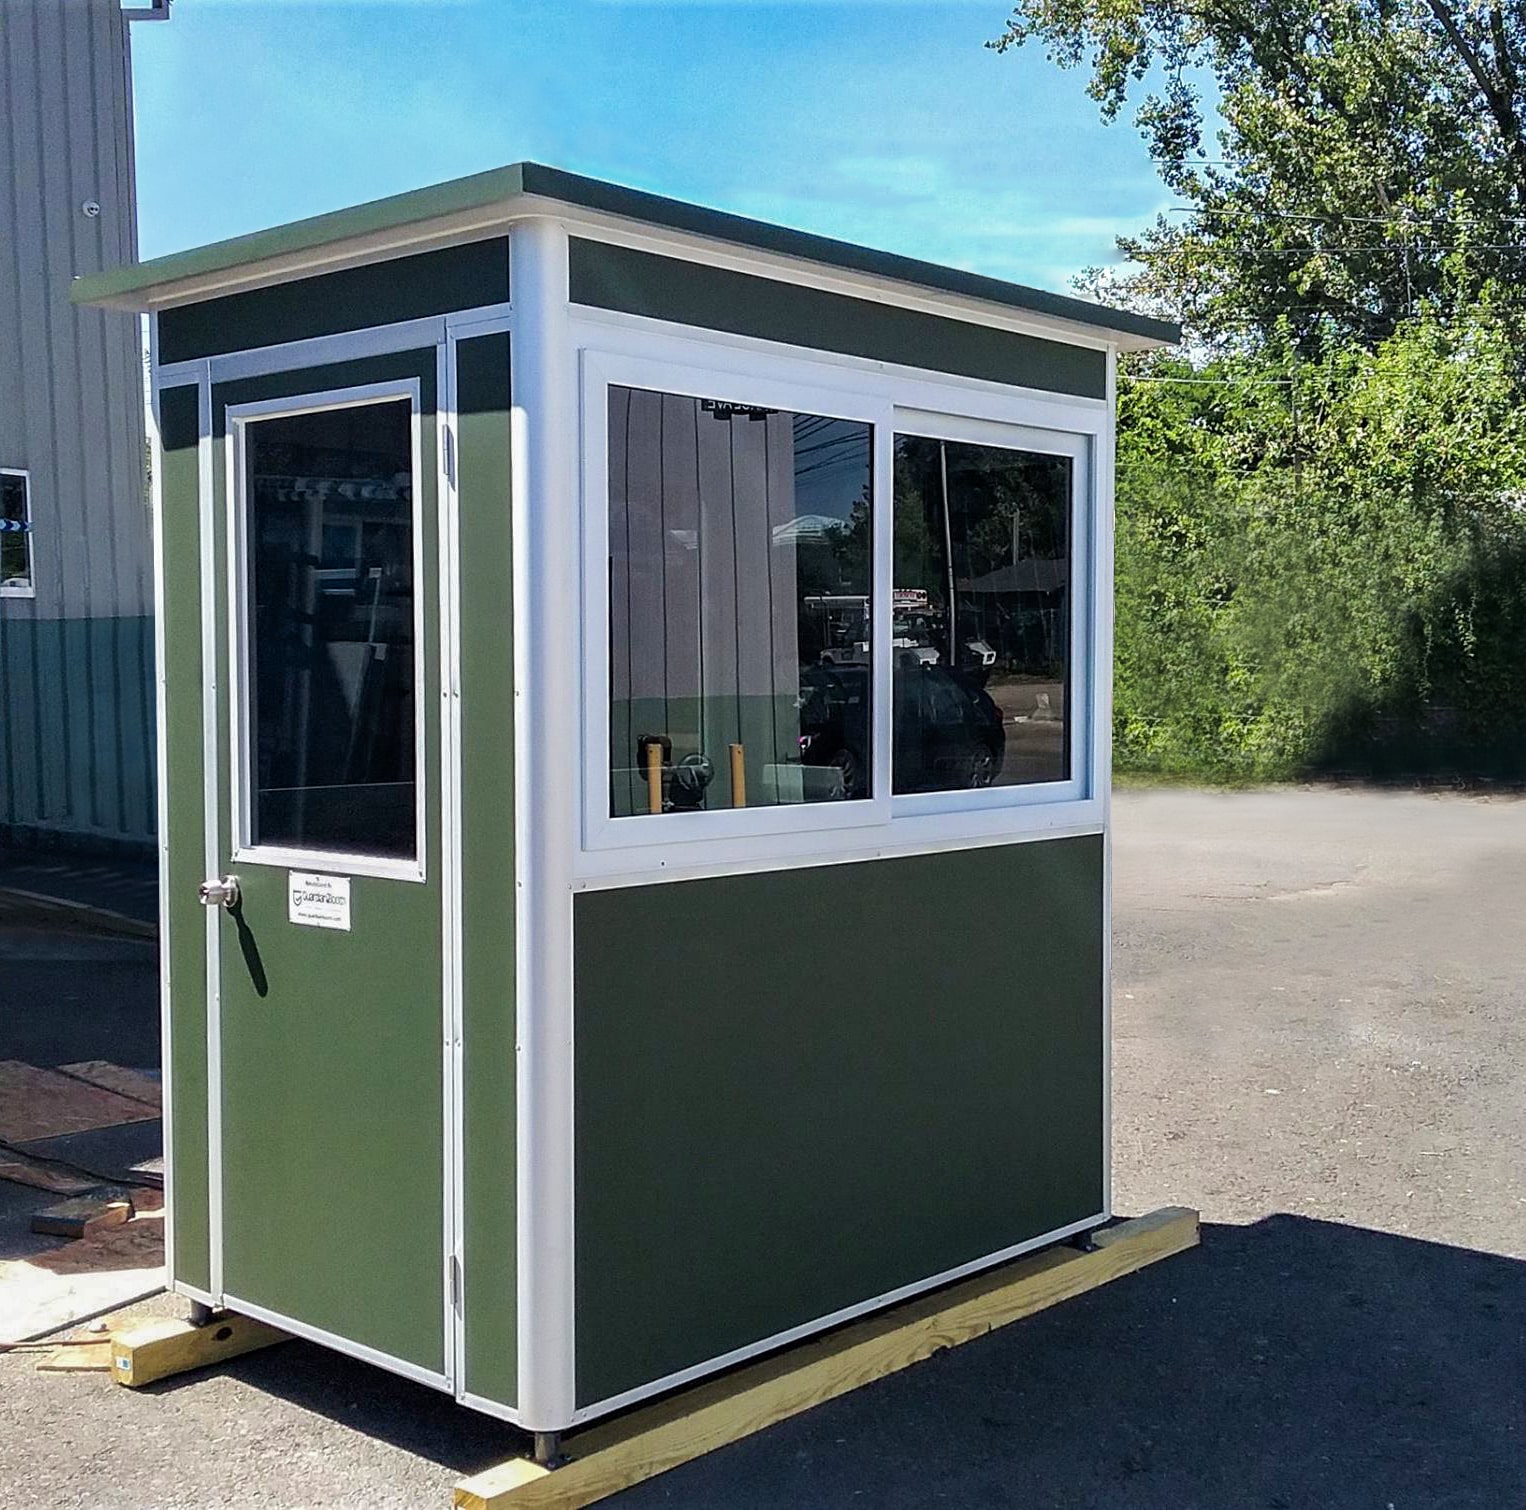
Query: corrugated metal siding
[{"x": 76, "y": 741}]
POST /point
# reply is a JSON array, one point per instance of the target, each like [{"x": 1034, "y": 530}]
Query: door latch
[{"x": 223, "y": 893}]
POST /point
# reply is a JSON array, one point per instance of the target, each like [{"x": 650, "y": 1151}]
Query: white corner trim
[{"x": 546, "y": 668}]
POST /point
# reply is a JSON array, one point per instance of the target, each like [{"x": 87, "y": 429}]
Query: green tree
[{"x": 1370, "y": 160}]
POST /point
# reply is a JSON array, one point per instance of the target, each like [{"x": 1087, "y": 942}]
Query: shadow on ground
[{"x": 1285, "y": 1364}]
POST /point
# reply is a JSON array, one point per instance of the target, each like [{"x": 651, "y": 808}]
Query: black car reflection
[{"x": 947, "y": 731}]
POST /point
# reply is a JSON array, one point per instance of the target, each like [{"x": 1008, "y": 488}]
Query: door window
[{"x": 331, "y": 740}]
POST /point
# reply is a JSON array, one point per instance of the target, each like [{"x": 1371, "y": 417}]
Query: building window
[
  {"x": 330, "y": 744},
  {"x": 740, "y": 543},
  {"x": 982, "y": 616},
  {"x": 16, "y": 579}
]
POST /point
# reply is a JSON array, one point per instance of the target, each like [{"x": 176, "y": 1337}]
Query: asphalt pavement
[{"x": 1318, "y": 1041}]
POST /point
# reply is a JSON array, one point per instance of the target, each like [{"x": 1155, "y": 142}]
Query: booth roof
[{"x": 471, "y": 207}]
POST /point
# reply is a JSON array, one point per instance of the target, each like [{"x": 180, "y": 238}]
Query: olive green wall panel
[
  {"x": 799, "y": 1090},
  {"x": 715, "y": 298},
  {"x": 186, "y": 951},
  {"x": 333, "y": 1062},
  {"x": 380, "y": 293},
  {"x": 487, "y": 866}
]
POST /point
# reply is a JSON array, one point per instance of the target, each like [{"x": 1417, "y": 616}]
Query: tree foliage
[
  {"x": 1321, "y": 537},
  {"x": 1325, "y": 572},
  {"x": 1369, "y": 159}
]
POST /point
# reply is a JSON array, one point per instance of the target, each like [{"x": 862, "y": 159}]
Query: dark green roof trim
[
  {"x": 770, "y": 309},
  {"x": 719, "y": 225},
  {"x": 479, "y": 191},
  {"x": 482, "y": 191},
  {"x": 466, "y": 276}
]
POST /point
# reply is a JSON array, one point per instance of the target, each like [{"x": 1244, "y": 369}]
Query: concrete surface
[
  {"x": 96, "y": 888},
  {"x": 67, "y": 997},
  {"x": 1319, "y": 1041}
]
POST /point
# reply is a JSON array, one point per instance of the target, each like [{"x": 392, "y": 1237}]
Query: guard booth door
[{"x": 328, "y": 1131}]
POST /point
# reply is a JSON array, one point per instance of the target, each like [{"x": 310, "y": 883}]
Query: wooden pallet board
[
  {"x": 90, "y": 1356},
  {"x": 613, "y": 1455},
  {"x": 156, "y": 1349},
  {"x": 83, "y": 1216},
  {"x": 37, "y": 1103},
  {"x": 136, "y": 1085}
]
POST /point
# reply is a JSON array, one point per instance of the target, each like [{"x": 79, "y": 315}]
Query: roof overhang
[{"x": 486, "y": 204}]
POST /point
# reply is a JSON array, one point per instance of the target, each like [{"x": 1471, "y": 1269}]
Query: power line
[
  {"x": 1187, "y": 209},
  {"x": 1131, "y": 377}
]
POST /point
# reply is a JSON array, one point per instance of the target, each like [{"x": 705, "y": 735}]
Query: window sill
[{"x": 902, "y": 834}]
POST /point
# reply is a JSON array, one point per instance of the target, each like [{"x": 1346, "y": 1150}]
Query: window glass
[
  {"x": 15, "y": 534},
  {"x": 739, "y": 571},
  {"x": 329, "y": 515},
  {"x": 981, "y": 637}
]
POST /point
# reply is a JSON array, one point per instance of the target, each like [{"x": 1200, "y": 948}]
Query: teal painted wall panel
[
  {"x": 76, "y": 730},
  {"x": 797, "y": 1091},
  {"x": 715, "y": 298}
]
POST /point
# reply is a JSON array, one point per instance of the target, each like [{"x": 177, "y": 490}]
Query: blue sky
[{"x": 884, "y": 123}]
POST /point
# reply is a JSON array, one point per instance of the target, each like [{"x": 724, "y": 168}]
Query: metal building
[{"x": 76, "y": 589}]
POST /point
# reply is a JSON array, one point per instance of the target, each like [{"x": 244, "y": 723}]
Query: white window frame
[
  {"x": 638, "y": 353},
  {"x": 240, "y": 718},
  {"x": 602, "y": 371},
  {"x": 13, "y": 590},
  {"x": 1079, "y": 660}
]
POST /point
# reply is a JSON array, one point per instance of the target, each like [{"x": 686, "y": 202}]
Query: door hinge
[
  {"x": 450, "y": 455},
  {"x": 455, "y": 1282}
]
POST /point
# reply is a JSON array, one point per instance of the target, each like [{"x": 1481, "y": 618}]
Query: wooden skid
[
  {"x": 616, "y": 1454},
  {"x": 155, "y": 1349}
]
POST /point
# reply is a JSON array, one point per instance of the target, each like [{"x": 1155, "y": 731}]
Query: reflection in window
[
  {"x": 739, "y": 546},
  {"x": 15, "y": 534},
  {"x": 981, "y": 642},
  {"x": 329, "y": 515}
]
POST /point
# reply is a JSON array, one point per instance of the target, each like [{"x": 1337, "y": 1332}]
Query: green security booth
[{"x": 633, "y": 765}]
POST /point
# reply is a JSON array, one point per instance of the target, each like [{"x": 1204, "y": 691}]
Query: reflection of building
[
  {"x": 718, "y": 522},
  {"x": 1020, "y": 608},
  {"x": 76, "y": 638}
]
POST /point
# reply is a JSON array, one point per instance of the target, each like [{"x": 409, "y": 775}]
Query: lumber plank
[
  {"x": 93, "y": 1356},
  {"x": 616, "y": 1454},
  {"x": 156, "y": 1349},
  {"x": 83, "y": 1216}
]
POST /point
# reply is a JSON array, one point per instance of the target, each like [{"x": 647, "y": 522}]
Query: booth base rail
[{"x": 612, "y": 1455}]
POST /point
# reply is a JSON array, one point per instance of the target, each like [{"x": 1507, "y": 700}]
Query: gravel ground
[{"x": 1318, "y": 1041}]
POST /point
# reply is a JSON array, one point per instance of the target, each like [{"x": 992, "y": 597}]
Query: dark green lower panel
[{"x": 800, "y": 1090}]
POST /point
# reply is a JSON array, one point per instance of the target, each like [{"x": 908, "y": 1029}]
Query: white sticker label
[{"x": 318, "y": 901}]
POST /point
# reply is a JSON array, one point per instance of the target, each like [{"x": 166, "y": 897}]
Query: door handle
[{"x": 223, "y": 893}]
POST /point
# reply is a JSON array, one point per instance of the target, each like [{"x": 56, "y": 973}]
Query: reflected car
[
  {"x": 834, "y": 722},
  {"x": 948, "y": 733}
]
